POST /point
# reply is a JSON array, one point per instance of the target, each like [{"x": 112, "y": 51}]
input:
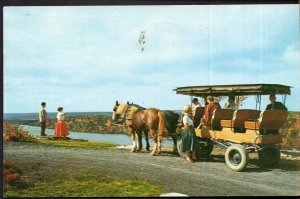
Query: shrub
[
  {"x": 291, "y": 132},
  {"x": 13, "y": 132},
  {"x": 11, "y": 173}
]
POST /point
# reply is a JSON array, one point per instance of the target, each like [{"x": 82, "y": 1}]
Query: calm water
[{"x": 95, "y": 137}]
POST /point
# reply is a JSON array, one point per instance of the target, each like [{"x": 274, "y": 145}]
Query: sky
[{"x": 84, "y": 58}]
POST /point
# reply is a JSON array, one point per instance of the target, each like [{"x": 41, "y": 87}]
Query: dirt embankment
[{"x": 207, "y": 177}]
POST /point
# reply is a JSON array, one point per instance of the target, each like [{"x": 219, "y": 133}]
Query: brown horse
[{"x": 139, "y": 120}]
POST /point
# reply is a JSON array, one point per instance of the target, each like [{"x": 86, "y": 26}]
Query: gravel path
[{"x": 204, "y": 178}]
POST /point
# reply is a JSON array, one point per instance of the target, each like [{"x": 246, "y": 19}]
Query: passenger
[
  {"x": 231, "y": 104},
  {"x": 195, "y": 104},
  {"x": 205, "y": 101},
  {"x": 209, "y": 110},
  {"x": 188, "y": 136},
  {"x": 274, "y": 105}
]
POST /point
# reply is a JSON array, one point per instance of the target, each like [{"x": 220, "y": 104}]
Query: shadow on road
[
  {"x": 253, "y": 164},
  {"x": 283, "y": 165}
]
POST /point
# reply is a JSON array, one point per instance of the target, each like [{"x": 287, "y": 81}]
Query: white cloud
[
  {"x": 292, "y": 54},
  {"x": 92, "y": 57}
]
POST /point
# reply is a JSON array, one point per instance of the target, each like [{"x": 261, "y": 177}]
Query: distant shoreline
[{"x": 51, "y": 115}]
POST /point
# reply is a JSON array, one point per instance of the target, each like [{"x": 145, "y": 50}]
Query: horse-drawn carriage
[{"x": 240, "y": 131}]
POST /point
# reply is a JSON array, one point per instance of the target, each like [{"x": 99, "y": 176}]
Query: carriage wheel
[
  {"x": 236, "y": 157},
  {"x": 179, "y": 149},
  {"x": 205, "y": 147},
  {"x": 269, "y": 156}
]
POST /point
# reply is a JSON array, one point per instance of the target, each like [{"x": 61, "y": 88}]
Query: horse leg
[
  {"x": 133, "y": 137},
  {"x": 159, "y": 141},
  {"x": 153, "y": 134},
  {"x": 140, "y": 143},
  {"x": 146, "y": 132},
  {"x": 160, "y": 131},
  {"x": 174, "y": 138}
]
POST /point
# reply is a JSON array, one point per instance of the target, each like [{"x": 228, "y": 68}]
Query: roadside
[{"x": 208, "y": 177}]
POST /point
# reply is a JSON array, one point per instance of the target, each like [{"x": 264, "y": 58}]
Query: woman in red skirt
[{"x": 61, "y": 129}]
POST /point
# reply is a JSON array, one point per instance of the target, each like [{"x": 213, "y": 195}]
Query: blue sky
[{"x": 84, "y": 58}]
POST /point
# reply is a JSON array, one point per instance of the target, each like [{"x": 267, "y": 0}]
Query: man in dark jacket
[{"x": 275, "y": 105}]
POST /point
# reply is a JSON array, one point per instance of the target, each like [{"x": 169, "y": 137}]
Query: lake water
[{"x": 120, "y": 139}]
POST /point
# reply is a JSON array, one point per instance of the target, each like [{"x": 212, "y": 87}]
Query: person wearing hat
[
  {"x": 61, "y": 129},
  {"x": 188, "y": 135},
  {"x": 43, "y": 118},
  {"x": 231, "y": 104},
  {"x": 274, "y": 105}
]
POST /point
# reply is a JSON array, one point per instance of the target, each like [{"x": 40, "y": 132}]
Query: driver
[{"x": 274, "y": 105}]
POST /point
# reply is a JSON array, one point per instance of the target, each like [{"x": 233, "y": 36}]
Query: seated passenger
[
  {"x": 209, "y": 110},
  {"x": 205, "y": 100},
  {"x": 274, "y": 105},
  {"x": 195, "y": 104},
  {"x": 231, "y": 104}
]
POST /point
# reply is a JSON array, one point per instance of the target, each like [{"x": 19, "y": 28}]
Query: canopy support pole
[
  {"x": 258, "y": 101},
  {"x": 284, "y": 98}
]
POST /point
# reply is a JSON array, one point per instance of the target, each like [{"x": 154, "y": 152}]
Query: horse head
[
  {"x": 118, "y": 111},
  {"x": 122, "y": 112}
]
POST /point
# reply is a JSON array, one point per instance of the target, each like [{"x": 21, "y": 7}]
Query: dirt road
[{"x": 204, "y": 178}]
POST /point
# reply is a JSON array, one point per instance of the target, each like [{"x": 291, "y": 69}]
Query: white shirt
[
  {"x": 187, "y": 120},
  {"x": 195, "y": 106},
  {"x": 60, "y": 116}
]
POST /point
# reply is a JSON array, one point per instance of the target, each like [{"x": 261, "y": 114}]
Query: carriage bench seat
[
  {"x": 239, "y": 118},
  {"x": 269, "y": 119},
  {"x": 220, "y": 114}
]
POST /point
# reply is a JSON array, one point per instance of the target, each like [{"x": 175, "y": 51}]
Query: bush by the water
[{"x": 13, "y": 132}]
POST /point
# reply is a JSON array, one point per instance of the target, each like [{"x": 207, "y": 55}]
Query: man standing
[
  {"x": 43, "y": 118},
  {"x": 275, "y": 105}
]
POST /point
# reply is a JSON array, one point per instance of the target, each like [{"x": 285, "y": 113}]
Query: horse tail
[{"x": 161, "y": 123}]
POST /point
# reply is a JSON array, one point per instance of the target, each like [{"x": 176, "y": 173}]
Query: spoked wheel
[
  {"x": 205, "y": 147},
  {"x": 236, "y": 157},
  {"x": 179, "y": 149},
  {"x": 269, "y": 156}
]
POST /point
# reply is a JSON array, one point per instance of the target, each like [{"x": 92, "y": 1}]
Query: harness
[{"x": 128, "y": 113}]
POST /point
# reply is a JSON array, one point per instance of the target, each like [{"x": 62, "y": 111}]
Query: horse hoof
[{"x": 154, "y": 154}]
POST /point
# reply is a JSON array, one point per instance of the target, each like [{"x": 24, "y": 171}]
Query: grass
[
  {"x": 78, "y": 182},
  {"x": 87, "y": 185},
  {"x": 77, "y": 143}
]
